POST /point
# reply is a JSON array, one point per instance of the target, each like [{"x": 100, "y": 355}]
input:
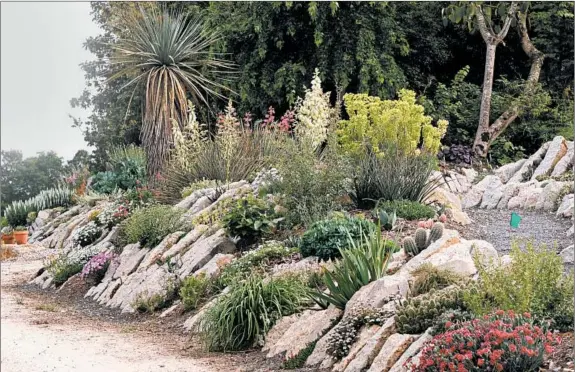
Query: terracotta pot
[
  {"x": 21, "y": 237},
  {"x": 8, "y": 239}
]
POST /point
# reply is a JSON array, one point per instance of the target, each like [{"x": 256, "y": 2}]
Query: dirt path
[{"x": 38, "y": 338}]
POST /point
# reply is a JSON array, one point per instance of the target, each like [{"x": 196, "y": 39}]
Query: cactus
[
  {"x": 417, "y": 314},
  {"x": 421, "y": 239},
  {"x": 436, "y": 232},
  {"x": 410, "y": 247}
]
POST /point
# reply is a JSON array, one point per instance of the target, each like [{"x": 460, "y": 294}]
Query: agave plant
[{"x": 170, "y": 55}]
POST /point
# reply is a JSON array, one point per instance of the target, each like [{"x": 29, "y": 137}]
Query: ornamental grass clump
[
  {"x": 150, "y": 225},
  {"x": 502, "y": 341}
]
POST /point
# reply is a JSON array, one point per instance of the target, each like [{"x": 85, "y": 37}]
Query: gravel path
[
  {"x": 36, "y": 339},
  {"x": 493, "y": 226}
]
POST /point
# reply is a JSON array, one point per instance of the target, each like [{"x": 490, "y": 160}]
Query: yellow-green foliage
[
  {"x": 400, "y": 122},
  {"x": 214, "y": 215},
  {"x": 198, "y": 185}
]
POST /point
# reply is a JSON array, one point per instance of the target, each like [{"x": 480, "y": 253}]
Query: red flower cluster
[{"x": 497, "y": 342}]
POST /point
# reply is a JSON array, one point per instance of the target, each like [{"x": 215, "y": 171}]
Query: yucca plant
[
  {"x": 364, "y": 261},
  {"x": 17, "y": 212},
  {"x": 52, "y": 198},
  {"x": 170, "y": 55}
]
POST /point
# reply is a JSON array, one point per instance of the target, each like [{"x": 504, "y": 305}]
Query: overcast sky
[{"x": 41, "y": 49}]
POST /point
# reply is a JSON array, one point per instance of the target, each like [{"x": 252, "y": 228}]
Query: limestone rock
[
  {"x": 532, "y": 198},
  {"x": 156, "y": 253},
  {"x": 278, "y": 330},
  {"x": 567, "y": 255},
  {"x": 308, "y": 328},
  {"x": 203, "y": 250},
  {"x": 506, "y": 172},
  {"x": 557, "y": 149},
  {"x": 474, "y": 196},
  {"x": 130, "y": 259},
  {"x": 566, "y": 207},
  {"x": 411, "y": 351},
  {"x": 308, "y": 264},
  {"x": 509, "y": 191},
  {"x": 571, "y": 231},
  {"x": 376, "y": 293},
  {"x": 365, "y": 357},
  {"x": 319, "y": 358},
  {"x": 171, "y": 310},
  {"x": 547, "y": 200},
  {"x": 364, "y": 335},
  {"x": 526, "y": 170},
  {"x": 566, "y": 161},
  {"x": 214, "y": 265},
  {"x": 185, "y": 242},
  {"x": 470, "y": 174},
  {"x": 492, "y": 194},
  {"x": 202, "y": 203},
  {"x": 188, "y": 201},
  {"x": 193, "y": 323},
  {"x": 392, "y": 349}
]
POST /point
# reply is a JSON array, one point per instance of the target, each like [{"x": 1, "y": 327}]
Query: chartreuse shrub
[
  {"x": 247, "y": 312},
  {"x": 364, "y": 261},
  {"x": 150, "y": 225},
  {"x": 62, "y": 267},
  {"x": 401, "y": 122},
  {"x": 533, "y": 282},
  {"x": 250, "y": 218},
  {"x": 325, "y": 239},
  {"x": 501, "y": 341},
  {"x": 428, "y": 277},
  {"x": 408, "y": 209},
  {"x": 194, "y": 290},
  {"x": 396, "y": 175}
]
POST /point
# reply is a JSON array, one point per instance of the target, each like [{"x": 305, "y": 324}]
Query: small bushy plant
[
  {"x": 533, "y": 282},
  {"x": 499, "y": 342},
  {"x": 194, "y": 289},
  {"x": 243, "y": 316},
  {"x": 87, "y": 234},
  {"x": 127, "y": 168},
  {"x": 428, "y": 277},
  {"x": 62, "y": 267},
  {"x": 250, "y": 218},
  {"x": 95, "y": 269},
  {"x": 326, "y": 238},
  {"x": 408, "y": 209},
  {"x": 150, "y": 225},
  {"x": 112, "y": 215}
]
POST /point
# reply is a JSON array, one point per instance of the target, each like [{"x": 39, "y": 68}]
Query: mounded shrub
[
  {"x": 150, "y": 225},
  {"x": 408, "y": 209}
]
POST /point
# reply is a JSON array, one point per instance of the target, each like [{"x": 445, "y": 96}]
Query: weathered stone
[
  {"x": 189, "y": 201},
  {"x": 375, "y": 294},
  {"x": 40, "y": 279},
  {"x": 509, "y": 191},
  {"x": 492, "y": 194},
  {"x": 48, "y": 283},
  {"x": 392, "y": 349},
  {"x": 308, "y": 328},
  {"x": 567, "y": 255},
  {"x": 474, "y": 196},
  {"x": 525, "y": 172},
  {"x": 547, "y": 200},
  {"x": 557, "y": 149},
  {"x": 411, "y": 351},
  {"x": 566, "y": 207},
  {"x": 444, "y": 197},
  {"x": 185, "y": 242},
  {"x": 566, "y": 161},
  {"x": 171, "y": 310},
  {"x": 155, "y": 255},
  {"x": 203, "y": 250},
  {"x": 364, "y": 335},
  {"x": 202, "y": 203},
  {"x": 506, "y": 172},
  {"x": 365, "y": 357},
  {"x": 130, "y": 259},
  {"x": 97, "y": 290},
  {"x": 524, "y": 191},
  {"x": 214, "y": 265},
  {"x": 320, "y": 358},
  {"x": 532, "y": 198},
  {"x": 308, "y": 264},
  {"x": 571, "y": 231},
  {"x": 278, "y": 330},
  {"x": 193, "y": 323},
  {"x": 470, "y": 174},
  {"x": 464, "y": 184}
]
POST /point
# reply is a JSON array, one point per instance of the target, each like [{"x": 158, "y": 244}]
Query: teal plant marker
[{"x": 515, "y": 219}]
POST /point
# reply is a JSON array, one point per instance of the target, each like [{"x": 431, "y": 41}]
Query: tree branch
[
  {"x": 507, "y": 23},
  {"x": 483, "y": 29}
]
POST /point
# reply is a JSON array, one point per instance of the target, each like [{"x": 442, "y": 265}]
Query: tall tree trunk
[{"x": 479, "y": 145}]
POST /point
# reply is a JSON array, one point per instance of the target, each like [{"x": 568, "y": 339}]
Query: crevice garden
[{"x": 332, "y": 237}]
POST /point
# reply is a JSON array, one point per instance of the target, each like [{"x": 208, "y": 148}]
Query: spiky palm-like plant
[{"x": 169, "y": 53}]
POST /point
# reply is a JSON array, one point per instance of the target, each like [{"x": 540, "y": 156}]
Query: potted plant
[
  {"x": 21, "y": 234},
  {"x": 8, "y": 235}
]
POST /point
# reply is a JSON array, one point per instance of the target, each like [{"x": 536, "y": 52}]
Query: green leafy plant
[
  {"x": 533, "y": 282},
  {"x": 87, "y": 234},
  {"x": 250, "y": 218},
  {"x": 126, "y": 170},
  {"x": 326, "y": 238},
  {"x": 427, "y": 277},
  {"x": 392, "y": 175},
  {"x": 31, "y": 217},
  {"x": 239, "y": 318},
  {"x": 408, "y": 209},
  {"x": 417, "y": 314},
  {"x": 62, "y": 267},
  {"x": 257, "y": 260},
  {"x": 150, "y": 225},
  {"x": 194, "y": 290},
  {"x": 365, "y": 260},
  {"x": 384, "y": 219}
]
